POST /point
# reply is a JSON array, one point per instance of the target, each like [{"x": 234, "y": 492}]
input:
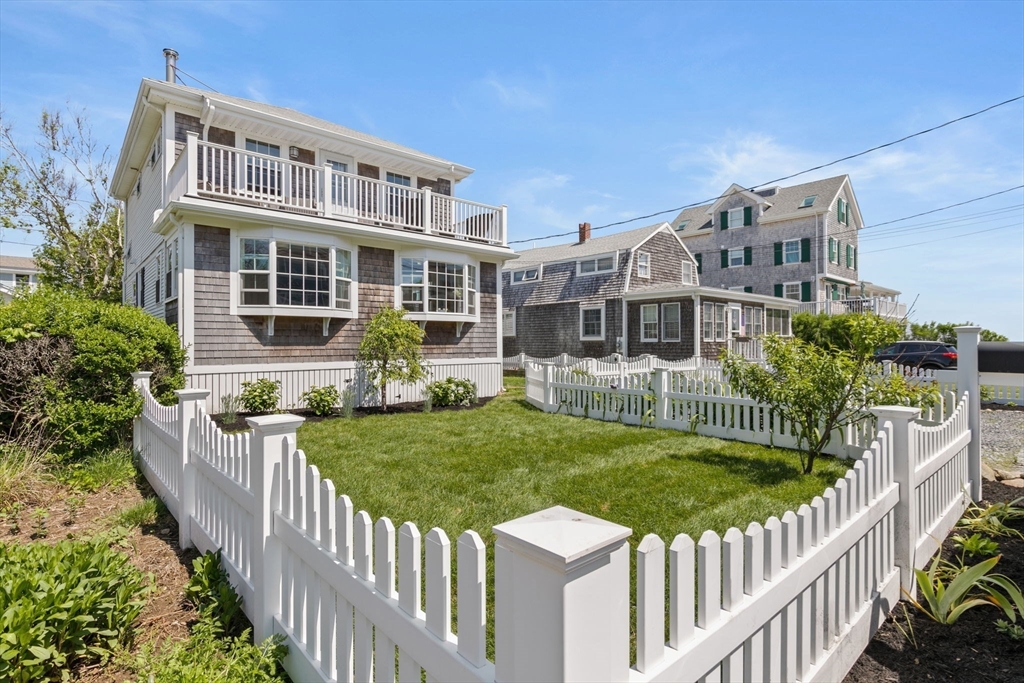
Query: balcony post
[
  {"x": 503, "y": 224},
  {"x": 192, "y": 163},
  {"x": 427, "y": 209},
  {"x": 328, "y": 185}
]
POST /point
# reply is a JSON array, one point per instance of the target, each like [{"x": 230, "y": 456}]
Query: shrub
[
  {"x": 70, "y": 388},
  {"x": 320, "y": 400},
  {"x": 62, "y": 605},
  {"x": 348, "y": 402},
  {"x": 260, "y": 396},
  {"x": 452, "y": 392},
  {"x": 838, "y": 332},
  {"x": 229, "y": 404},
  {"x": 212, "y": 594}
]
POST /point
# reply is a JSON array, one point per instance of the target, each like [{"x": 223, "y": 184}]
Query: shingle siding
[
  {"x": 551, "y": 329},
  {"x": 667, "y": 257},
  {"x": 666, "y": 350}
]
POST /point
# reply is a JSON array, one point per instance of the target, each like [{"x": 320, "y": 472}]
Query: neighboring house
[
  {"x": 270, "y": 238},
  {"x": 797, "y": 242},
  {"x": 632, "y": 292},
  {"x": 15, "y": 272}
]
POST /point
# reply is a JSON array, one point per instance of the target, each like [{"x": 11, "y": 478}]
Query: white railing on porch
[
  {"x": 794, "y": 598},
  {"x": 220, "y": 172},
  {"x": 881, "y": 306}
]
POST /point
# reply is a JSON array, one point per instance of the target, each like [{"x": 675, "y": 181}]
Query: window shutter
[
  {"x": 805, "y": 250},
  {"x": 831, "y": 250},
  {"x": 748, "y": 215},
  {"x": 855, "y": 258},
  {"x": 778, "y": 253},
  {"x": 748, "y": 289},
  {"x": 723, "y": 218},
  {"x": 849, "y": 256},
  {"x": 805, "y": 291},
  {"x": 699, "y": 259},
  {"x": 725, "y": 258},
  {"x": 778, "y": 291},
  {"x": 748, "y": 256}
]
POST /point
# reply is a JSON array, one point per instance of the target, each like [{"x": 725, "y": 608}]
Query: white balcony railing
[
  {"x": 227, "y": 173},
  {"x": 883, "y": 307}
]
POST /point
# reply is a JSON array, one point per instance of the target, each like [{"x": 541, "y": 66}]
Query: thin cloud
[{"x": 515, "y": 96}]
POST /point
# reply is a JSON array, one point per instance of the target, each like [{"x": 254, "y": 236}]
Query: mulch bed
[
  {"x": 395, "y": 409},
  {"x": 969, "y": 650}
]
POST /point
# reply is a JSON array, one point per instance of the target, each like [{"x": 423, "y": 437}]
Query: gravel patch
[{"x": 1002, "y": 437}]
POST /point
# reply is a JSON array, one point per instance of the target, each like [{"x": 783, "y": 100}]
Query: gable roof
[
  {"x": 592, "y": 247},
  {"x": 18, "y": 263},
  {"x": 785, "y": 203}
]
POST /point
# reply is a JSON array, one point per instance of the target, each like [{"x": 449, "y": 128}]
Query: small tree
[
  {"x": 390, "y": 351},
  {"x": 835, "y": 332},
  {"x": 820, "y": 391}
]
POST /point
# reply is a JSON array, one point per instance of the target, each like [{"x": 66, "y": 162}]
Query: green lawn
[{"x": 473, "y": 469}]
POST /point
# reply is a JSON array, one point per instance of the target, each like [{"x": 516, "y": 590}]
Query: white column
[
  {"x": 328, "y": 205},
  {"x": 428, "y": 214},
  {"x": 903, "y": 467},
  {"x": 562, "y": 598},
  {"x": 192, "y": 160},
  {"x": 272, "y": 441},
  {"x": 503, "y": 229},
  {"x": 967, "y": 380},
  {"x": 188, "y": 414}
]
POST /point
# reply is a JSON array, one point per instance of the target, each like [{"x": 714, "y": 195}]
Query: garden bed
[{"x": 969, "y": 650}]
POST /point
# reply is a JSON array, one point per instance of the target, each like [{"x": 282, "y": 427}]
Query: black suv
[{"x": 920, "y": 354}]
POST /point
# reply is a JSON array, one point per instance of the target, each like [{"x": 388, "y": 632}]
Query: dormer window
[
  {"x": 808, "y": 201},
  {"x": 682, "y": 225},
  {"x": 528, "y": 275},
  {"x": 736, "y": 218},
  {"x": 601, "y": 264},
  {"x": 643, "y": 265}
]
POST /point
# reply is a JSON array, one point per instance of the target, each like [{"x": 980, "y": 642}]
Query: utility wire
[
  {"x": 787, "y": 177},
  {"x": 966, "y": 234}
]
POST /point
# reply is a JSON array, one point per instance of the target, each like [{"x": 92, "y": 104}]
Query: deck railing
[
  {"x": 883, "y": 307},
  {"x": 227, "y": 173}
]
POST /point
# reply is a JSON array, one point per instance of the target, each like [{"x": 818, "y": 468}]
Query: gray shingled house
[
  {"x": 632, "y": 292},
  {"x": 270, "y": 237},
  {"x": 797, "y": 242}
]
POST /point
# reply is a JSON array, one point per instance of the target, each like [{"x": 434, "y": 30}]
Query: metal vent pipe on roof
[{"x": 172, "y": 61}]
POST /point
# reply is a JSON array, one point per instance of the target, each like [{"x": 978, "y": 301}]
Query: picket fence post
[
  {"x": 272, "y": 442},
  {"x": 548, "y": 400},
  {"x": 562, "y": 598},
  {"x": 188, "y": 414},
  {"x": 967, "y": 379},
  {"x": 659, "y": 387},
  {"x": 140, "y": 380},
  {"x": 905, "y": 531}
]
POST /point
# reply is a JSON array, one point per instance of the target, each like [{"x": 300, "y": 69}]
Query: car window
[{"x": 889, "y": 350}]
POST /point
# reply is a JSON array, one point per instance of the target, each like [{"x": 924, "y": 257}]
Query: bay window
[
  {"x": 434, "y": 286},
  {"x": 274, "y": 272},
  {"x": 254, "y": 272},
  {"x": 412, "y": 284},
  {"x": 303, "y": 275}
]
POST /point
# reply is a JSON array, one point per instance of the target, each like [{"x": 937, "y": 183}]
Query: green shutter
[
  {"x": 849, "y": 256},
  {"x": 805, "y": 291},
  {"x": 778, "y": 253},
  {"x": 748, "y": 256},
  {"x": 855, "y": 258},
  {"x": 805, "y": 250},
  {"x": 778, "y": 291},
  {"x": 748, "y": 289},
  {"x": 723, "y": 218},
  {"x": 748, "y": 215},
  {"x": 839, "y": 252},
  {"x": 725, "y": 258},
  {"x": 699, "y": 260},
  {"x": 831, "y": 250}
]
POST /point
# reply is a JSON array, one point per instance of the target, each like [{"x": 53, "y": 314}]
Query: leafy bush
[
  {"x": 321, "y": 400},
  {"x": 970, "y": 587},
  {"x": 62, "y": 605},
  {"x": 975, "y": 545},
  {"x": 390, "y": 351},
  {"x": 70, "y": 389},
  {"x": 212, "y": 594},
  {"x": 260, "y": 396},
  {"x": 838, "y": 332},
  {"x": 452, "y": 392},
  {"x": 946, "y": 332}
]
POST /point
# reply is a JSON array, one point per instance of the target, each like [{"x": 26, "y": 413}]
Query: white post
[
  {"x": 905, "y": 513},
  {"x": 504, "y": 225},
  {"x": 561, "y": 598},
  {"x": 549, "y": 403},
  {"x": 192, "y": 161},
  {"x": 427, "y": 210},
  {"x": 563, "y": 360},
  {"x": 967, "y": 379},
  {"x": 272, "y": 441},
  {"x": 328, "y": 201},
  {"x": 140, "y": 380},
  {"x": 659, "y": 387},
  {"x": 188, "y": 414}
]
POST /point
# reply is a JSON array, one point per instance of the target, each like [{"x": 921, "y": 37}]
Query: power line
[
  {"x": 966, "y": 234},
  {"x": 943, "y": 225},
  {"x": 942, "y": 208},
  {"x": 792, "y": 175}
]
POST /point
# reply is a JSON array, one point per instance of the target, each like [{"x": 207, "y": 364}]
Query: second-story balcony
[
  {"x": 883, "y": 307},
  {"x": 228, "y": 174}
]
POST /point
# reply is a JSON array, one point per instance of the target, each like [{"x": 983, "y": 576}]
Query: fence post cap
[
  {"x": 562, "y": 538},
  {"x": 143, "y": 374},
  {"x": 275, "y": 424},
  {"x": 192, "y": 394},
  {"x": 968, "y": 328},
  {"x": 897, "y": 412}
]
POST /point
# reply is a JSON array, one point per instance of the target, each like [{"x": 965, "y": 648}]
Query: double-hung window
[
  {"x": 602, "y": 264},
  {"x": 753, "y": 323},
  {"x": 649, "y": 323},
  {"x": 471, "y": 289},
  {"x": 263, "y": 176},
  {"x": 736, "y": 217},
  {"x": 714, "y": 322},
  {"x": 843, "y": 211},
  {"x": 708, "y": 322},
  {"x": 791, "y": 290},
  {"x": 687, "y": 273},
  {"x": 791, "y": 251},
  {"x": 171, "y": 274},
  {"x": 670, "y": 329},
  {"x": 343, "y": 279},
  {"x": 643, "y": 264},
  {"x": 736, "y": 257},
  {"x": 412, "y": 284},
  {"x": 528, "y": 275},
  {"x": 508, "y": 322},
  {"x": 591, "y": 322},
  {"x": 720, "y": 322}
]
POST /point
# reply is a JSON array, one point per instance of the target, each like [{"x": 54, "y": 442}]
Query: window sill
[
  {"x": 171, "y": 300},
  {"x": 441, "y": 317},
  {"x": 295, "y": 312}
]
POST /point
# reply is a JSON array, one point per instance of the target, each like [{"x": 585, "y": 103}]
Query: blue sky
[{"x": 576, "y": 112}]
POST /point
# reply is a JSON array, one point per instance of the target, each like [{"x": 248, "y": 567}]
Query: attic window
[
  {"x": 682, "y": 226},
  {"x": 528, "y": 275},
  {"x": 808, "y": 201}
]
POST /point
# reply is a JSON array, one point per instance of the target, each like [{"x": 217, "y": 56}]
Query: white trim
[
  {"x": 798, "y": 254},
  {"x": 512, "y": 275},
  {"x": 595, "y": 258},
  {"x": 592, "y": 307},
  {"x": 743, "y": 215},
  {"x": 679, "y": 321},
  {"x": 733, "y": 190},
  {"x": 502, "y": 331},
  {"x": 799, "y": 292},
  {"x": 692, "y": 279},
  {"x": 191, "y": 370},
  {"x": 436, "y": 255},
  {"x": 743, "y": 257},
  {"x": 715, "y": 293},
  {"x": 643, "y": 332}
]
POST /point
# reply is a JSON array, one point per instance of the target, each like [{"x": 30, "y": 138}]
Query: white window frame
[
  {"x": 336, "y": 279},
  {"x": 732, "y": 252},
  {"x": 429, "y": 256},
  {"x": 643, "y": 264},
  {"x": 734, "y": 320},
  {"x": 644, "y": 337},
  {"x": 808, "y": 201},
  {"x": 537, "y": 275},
  {"x": 592, "y": 307},
  {"x": 753, "y": 321},
  {"x": 737, "y": 288},
  {"x": 665, "y": 336},
  {"x": 738, "y": 223},
  {"x": 508, "y": 320},
  {"x": 599, "y": 257},
  {"x": 785, "y": 288},
  {"x": 785, "y": 252},
  {"x": 688, "y": 272},
  {"x": 784, "y": 327},
  {"x": 721, "y": 322},
  {"x": 707, "y": 322}
]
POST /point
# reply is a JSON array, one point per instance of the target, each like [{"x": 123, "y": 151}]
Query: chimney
[
  {"x": 584, "y": 232},
  {"x": 172, "y": 60}
]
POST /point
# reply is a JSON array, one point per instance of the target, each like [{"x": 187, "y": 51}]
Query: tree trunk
[{"x": 810, "y": 462}]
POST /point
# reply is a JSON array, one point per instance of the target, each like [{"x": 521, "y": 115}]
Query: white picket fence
[
  {"x": 795, "y": 599},
  {"x": 616, "y": 365},
  {"x": 995, "y": 387}
]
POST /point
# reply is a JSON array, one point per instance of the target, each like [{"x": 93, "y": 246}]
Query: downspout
[
  {"x": 696, "y": 325},
  {"x": 625, "y": 305}
]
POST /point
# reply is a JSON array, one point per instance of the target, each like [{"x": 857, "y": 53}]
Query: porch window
[
  {"x": 714, "y": 322},
  {"x": 643, "y": 265},
  {"x": 592, "y": 322},
  {"x": 649, "y": 323},
  {"x": 753, "y": 321},
  {"x": 262, "y": 176},
  {"x": 343, "y": 279},
  {"x": 670, "y": 322},
  {"x": 777, "y": 321}
]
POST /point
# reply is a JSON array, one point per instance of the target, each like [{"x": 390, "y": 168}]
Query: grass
[
  {"x": 111, "y": 469},
  {"x": 143, "y": 513},
  {"x": 24, "y": 476}
]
